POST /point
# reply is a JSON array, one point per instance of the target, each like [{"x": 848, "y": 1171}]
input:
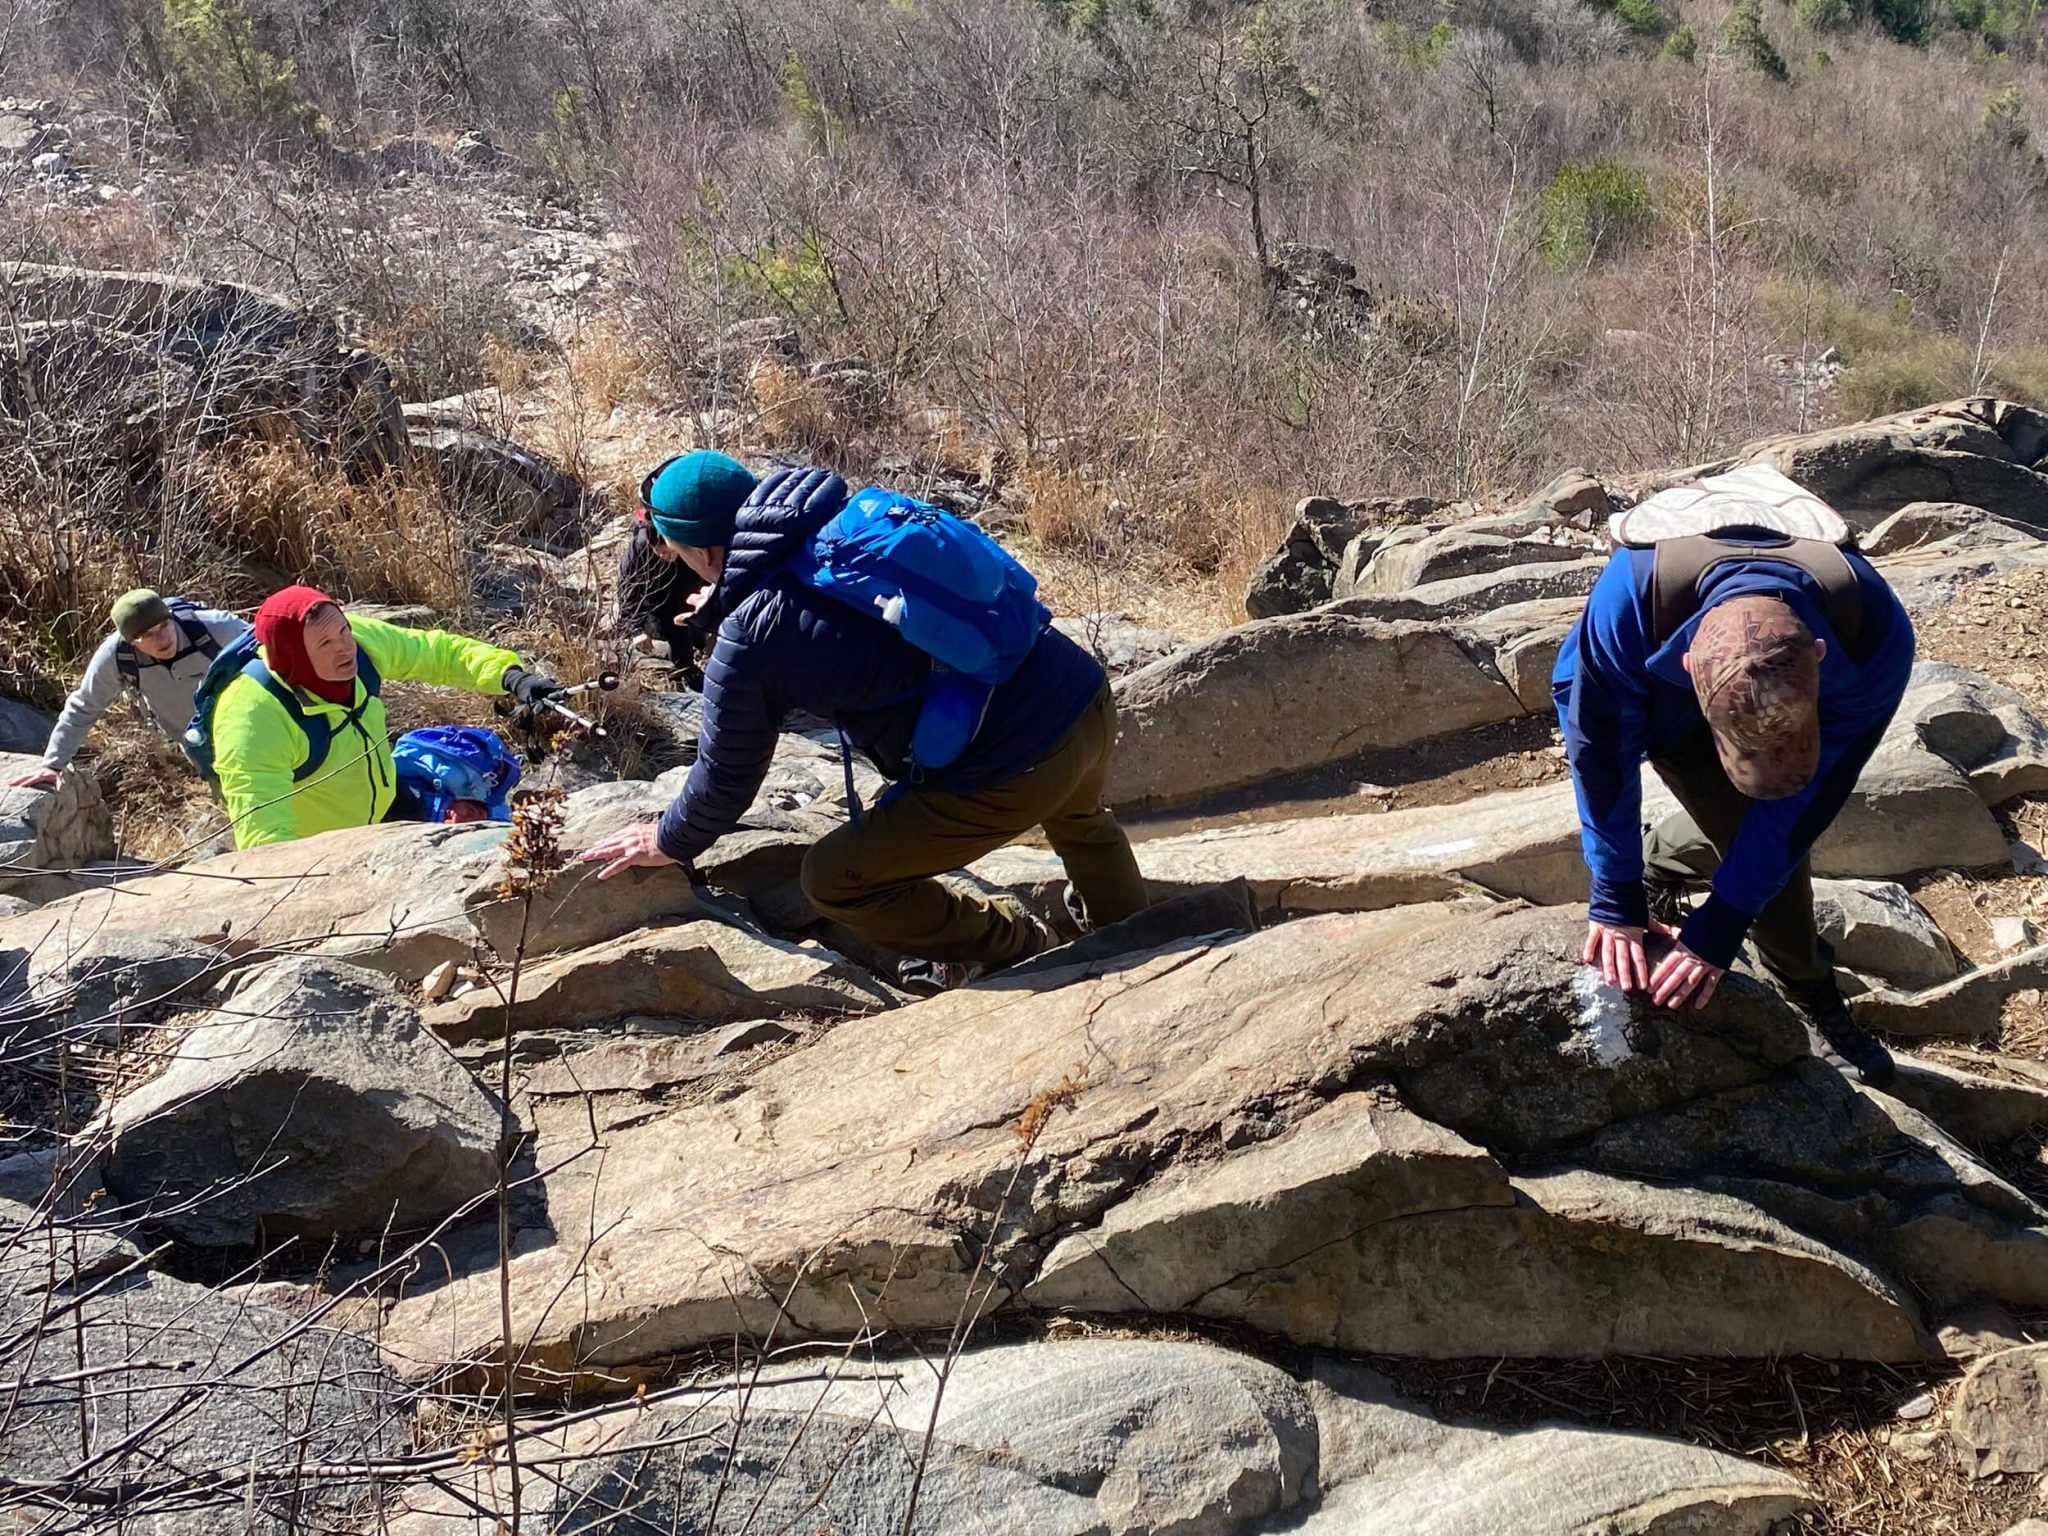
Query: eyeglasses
[{"x": 654, "y": 474}]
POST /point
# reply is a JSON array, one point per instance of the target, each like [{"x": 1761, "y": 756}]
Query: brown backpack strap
[{"x": 1679, "y": 565}]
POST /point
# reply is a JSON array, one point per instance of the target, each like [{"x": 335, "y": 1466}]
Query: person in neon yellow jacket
[{"x": 326, "y": 668}]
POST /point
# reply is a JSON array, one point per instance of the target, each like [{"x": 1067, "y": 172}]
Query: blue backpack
[
  {"x": 239, "y": 658},
  {"x": 441, "y": 764},
  {"x": 948, "y": 588}
]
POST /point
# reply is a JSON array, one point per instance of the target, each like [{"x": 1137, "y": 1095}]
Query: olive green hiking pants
[
  {"x": 1686, "y": 847},
  {"x": 877, "y": 875}
]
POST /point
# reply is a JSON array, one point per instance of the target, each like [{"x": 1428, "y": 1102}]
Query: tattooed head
[{"x": 1756, "y": 671}]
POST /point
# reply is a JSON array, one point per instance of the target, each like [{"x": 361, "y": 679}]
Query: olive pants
[
  {"x": 1686, "y": 847},
  {"x": 876, "y": 875}
]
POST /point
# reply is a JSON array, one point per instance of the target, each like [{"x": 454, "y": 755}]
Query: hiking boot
[
  {"x": 1667, "y": 901},
  {"x": 1071, "y": 900},
  {"x": 932, "y": 977},
  {"x": 1848, "y": 1043}
]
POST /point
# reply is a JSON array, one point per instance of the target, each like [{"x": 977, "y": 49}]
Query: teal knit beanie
[{"x": 693, "y": 500}]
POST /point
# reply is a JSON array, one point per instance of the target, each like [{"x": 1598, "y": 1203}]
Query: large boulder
[
  {"x": 1483, "y": 593},
  {"x": 706, "y": 971},
  {"x": 1979, "y": 452},
  {"x": 389, "y": 897},
  {"x": 1284, "y": 694},
  {"x": 311, "y": 1104},
  {"x": 1451, "y": 554},
  {"x": 1948, "y": 524},
  {"x": 1416, "y": 1130},
  {"x": 1879, "y": 930},
  {"x": 141, "y": 360},
  {"x": 502, "y": 485},
  {"x": 1142, "y": 1437},
  {"x": 1967, "y": 1007},
  {"x": 1298, "y": 575},
  {"x": 1911, "y": 811},
  {"x": 207, "y": 1411},
  {"x": 53, "y": 829},
  {"x": 23, "y": 730}
]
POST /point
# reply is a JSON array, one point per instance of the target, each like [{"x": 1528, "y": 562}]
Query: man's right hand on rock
[{"x": 36, "y": 778}]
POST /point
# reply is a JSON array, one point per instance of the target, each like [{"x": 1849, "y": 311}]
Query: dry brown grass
[
  {"x": 794, "y": 412},
  {"x": 388, "y": 540}
]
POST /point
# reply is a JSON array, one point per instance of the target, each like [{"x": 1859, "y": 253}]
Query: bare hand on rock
[
  {"x": 1683, "y": 976},
  {"x": 36, "y": 778},
  {"x": 637, "y": 847}
]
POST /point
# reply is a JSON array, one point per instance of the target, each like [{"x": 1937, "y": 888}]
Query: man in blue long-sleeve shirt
[
  {"x": 1040, "y": 756},
  {"x": 1757, "y": 687}
]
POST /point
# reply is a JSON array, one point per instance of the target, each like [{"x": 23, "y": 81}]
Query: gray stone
[
  {"x": 1119, "y": 643},
  {"x": 388, "y": 897},
  {"x": 1325, "y": 537},
  {"x": 1204, "y": 913},
  {"x": 736, "y": 1038},
  {"x": 1387, "y": 1469},
  {"x": 51, "y": 163},
  {"x": 23, "y": 730},
  {"x": 504, "y": 485},
  {"x": 54, "y": 829},
  {"x": 312, "y": 1104},
  {"x": 1454, "y": 553},
  {"x": 1878, "y": 929},
  {"x": 1070, "y": 1439},
  {"x": 186, "y": 1383},
  {"x": 1285, "y": 694},
  {"x": 1946, "y": 523},
  {"x": 706, "y": 971},
  {"x": 1088, "y": 1435},
  {"x": 1999, "y": 1416},
  {"x": 1913, "y": 809},
  {"x": 117, "y": 982},
  {"x": 1961, "y": 451},
  {"x": 1976, "y": 1331},
  {"x": 1989, "y": 731},
  {"x": 1418, "y": 1131},
  {"x": 1985, "y": 1113},
  {"x": 1965, "y": 1008},
  {"x": 1472, "y": 597},
  {"x": 20, "y": 135}
]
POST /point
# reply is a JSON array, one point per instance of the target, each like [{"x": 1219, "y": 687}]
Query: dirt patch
[{"x": 1998, "y": 627}]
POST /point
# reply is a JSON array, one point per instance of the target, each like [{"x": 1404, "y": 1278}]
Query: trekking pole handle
[{"x": 606, "y": 681}]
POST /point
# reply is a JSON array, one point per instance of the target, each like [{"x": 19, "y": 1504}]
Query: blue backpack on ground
[
  {"x": 441, "y": 764},
  {"x": 239, "y": 658},
  {"x": 948, "y": 588}
]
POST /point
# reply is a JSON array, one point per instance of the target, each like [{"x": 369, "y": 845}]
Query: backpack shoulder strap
[
  {"x": 197, "y": 636},
  {"x": 1679, "y": 565},
  {"x": 313, "y": 727},
  {"x": 128, "y": 664}
]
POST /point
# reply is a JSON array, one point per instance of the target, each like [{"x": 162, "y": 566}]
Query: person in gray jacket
[{"x": 160, "y": 648}]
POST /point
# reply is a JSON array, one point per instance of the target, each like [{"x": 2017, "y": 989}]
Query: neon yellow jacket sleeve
[
  {"x": 256, "y": 749},
  {"x": 433, "y": 656}
]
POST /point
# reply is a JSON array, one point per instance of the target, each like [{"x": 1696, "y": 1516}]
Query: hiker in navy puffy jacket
[
  {"x": 1040, "y": 756},
  {"x": 1759, "y": 719}
]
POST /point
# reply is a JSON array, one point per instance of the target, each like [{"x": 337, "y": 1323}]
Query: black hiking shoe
[
  {"x": 1848, "y": 1043},
  {"x": 1667, "y": 901},
  {"x": 931, "y": 977},
  {"x": 1076, "y": 908}
]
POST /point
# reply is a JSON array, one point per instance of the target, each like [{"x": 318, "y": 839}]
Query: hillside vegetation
[{"x": 1156, "y": 267}]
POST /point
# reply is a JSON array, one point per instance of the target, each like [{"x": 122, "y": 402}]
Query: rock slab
[{"x": 311, "y": 1104}]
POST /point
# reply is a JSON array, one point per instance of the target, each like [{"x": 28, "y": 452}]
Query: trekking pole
[
  {"x": 606, "y": 681},
  {"x": 566, "y": 712}
]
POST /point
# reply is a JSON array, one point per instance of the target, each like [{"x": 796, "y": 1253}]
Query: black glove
[{"x": 529, "y": 688}]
